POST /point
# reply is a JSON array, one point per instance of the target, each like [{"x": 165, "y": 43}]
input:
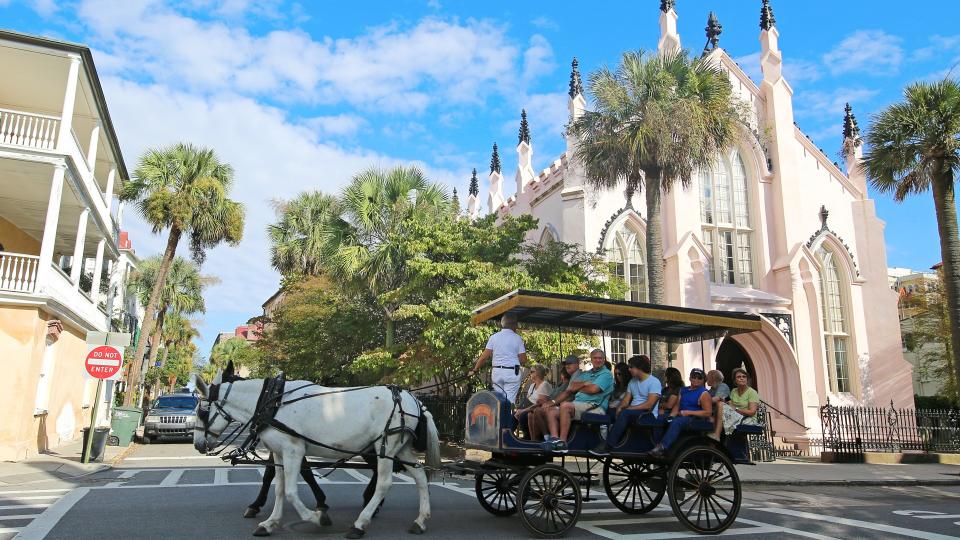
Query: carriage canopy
[{"x": 557, "y": 310}]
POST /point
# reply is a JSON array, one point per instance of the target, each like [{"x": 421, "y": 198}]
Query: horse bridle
[{"x": 213, "y": 401}]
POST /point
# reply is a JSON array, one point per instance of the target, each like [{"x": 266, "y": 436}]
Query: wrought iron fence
[
  {"x": 849, "y": 431},
  {"x": 761, "y": 444},
  {"x": 449, "y": 414}
]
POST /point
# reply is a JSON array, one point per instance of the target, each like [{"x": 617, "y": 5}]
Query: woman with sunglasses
[
  {"x": 742, "y": 407},
  {"x": 694, "y": 405}
]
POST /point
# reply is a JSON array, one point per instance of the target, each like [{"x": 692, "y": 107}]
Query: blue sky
[{"x": 299, "y": 96}]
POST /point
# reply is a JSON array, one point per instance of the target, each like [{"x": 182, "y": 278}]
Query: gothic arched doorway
[{"x": 731, "y": 356}]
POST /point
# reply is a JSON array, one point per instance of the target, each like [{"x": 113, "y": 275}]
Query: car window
[{"x": 175, "y": 402}]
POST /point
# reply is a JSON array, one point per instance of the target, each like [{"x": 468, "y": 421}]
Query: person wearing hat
[
  {"x": 694, "y": 405},
  {"x": 537, "y": 420},
  {"x": 507, "y": 351}
]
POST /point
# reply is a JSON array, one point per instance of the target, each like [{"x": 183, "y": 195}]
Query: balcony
[
  {"x": 18, "y": 272},
  {"x": 29, "y": 130}
]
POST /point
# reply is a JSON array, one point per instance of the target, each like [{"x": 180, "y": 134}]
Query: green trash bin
[{"x": 123, "y": 425}]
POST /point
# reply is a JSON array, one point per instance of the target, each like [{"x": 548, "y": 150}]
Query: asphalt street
[{"x": 168, "y": 491}]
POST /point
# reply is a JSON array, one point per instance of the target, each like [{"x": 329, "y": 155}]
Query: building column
[
  {"x": 120, "y": 215},
  {"x": 108, "y": 193},
  {"x": 77, "y": 261},
  {"x": 69, "y": 98},
  {"x": 97, "y": 271},
  {"x": 50, "y": 227},
  {"x": 94, "y": 143}
]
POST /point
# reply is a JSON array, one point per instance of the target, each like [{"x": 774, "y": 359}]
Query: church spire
[
  {"x": 850, "y": 128},
  {"x": 713, "y": 29},
  {"x": 667, "y": 5},
  {"x": 495, "y": 160},
  {"x": 767, "y": 20},
  {"x": 576, "y": 86},
  {"x": 474, "y": 185},
  {"x": 524, "y": 128}
]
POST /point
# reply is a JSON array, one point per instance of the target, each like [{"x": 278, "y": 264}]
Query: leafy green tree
[
  {"x": 914, "y": 147},
  {"x": 658, "y": 119},
  {"x": 929, "y": 337},
  {"x": 358, "y": 235},
  {"x": 236, "y": 350},
  {"x": 183, "y": 189}
]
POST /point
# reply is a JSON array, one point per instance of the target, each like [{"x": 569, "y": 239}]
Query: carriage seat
[
  {"x": 748, "y": 429},
  {"x": 595, "y": 419}
]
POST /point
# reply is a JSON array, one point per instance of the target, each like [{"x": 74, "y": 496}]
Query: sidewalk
[
  {"x": 61, "y": 463},
  {"x": 814, "y": 473}
]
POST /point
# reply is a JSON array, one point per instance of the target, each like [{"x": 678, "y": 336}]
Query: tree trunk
[
  {"x": 157, "y": 337},
  {"x": 149, "y": 312},
  {"x": 658, "y": 347},
  {"x": 391, "y": 328},
  {"x": 166, "y": 353},
  {"x": 945, "y": 204}
]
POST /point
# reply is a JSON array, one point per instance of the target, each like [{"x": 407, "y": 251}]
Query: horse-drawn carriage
[{"x": 697, "y": 474}]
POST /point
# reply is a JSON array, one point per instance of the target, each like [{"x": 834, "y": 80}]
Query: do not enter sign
[{"x": 104, "y": 362}]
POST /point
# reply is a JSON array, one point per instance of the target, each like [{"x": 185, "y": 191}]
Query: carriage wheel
[
  {"x": 634, "y": 488},
  {"x": 550, "y": 501},
  {"x": 497, "y": 492},
  {"x": 704, "y": 490}
]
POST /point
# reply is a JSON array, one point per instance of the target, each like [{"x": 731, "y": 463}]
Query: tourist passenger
[
  {"x": 538, "y": 392},
  {"x": 641, "y": 398},
  {"x": 719, "y": 392},
  {"x": 508, "y": 353},
  {"x": 591, "y": 391},
  {"x": 621, "y": 380},
  {"x": 671, "y": 392},
  {"x": 537, "y": 419},
  {"x": 742, "y": 407},
  {"x": 694, "y": 404}
]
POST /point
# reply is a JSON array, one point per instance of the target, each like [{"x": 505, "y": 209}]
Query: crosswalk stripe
[
  {"x": 2, "y": 493},
  {"x": 220, "y": 477},
  {"x": 18, "y": 516},
  {"x": 31, "y": 498},
  {"x": 172, "y": 478},
  {"x": 19, "y": 506},
  {"x": 10, "y": 529}
]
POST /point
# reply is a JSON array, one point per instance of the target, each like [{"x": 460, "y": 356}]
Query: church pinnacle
[
  {"x": 474, "y": 185},
  {"x": 767, "y": 20},
  {"x": 524, "y": 128},
  {"x": 495, "y": 160},
  {"x": 667, "y": 5},
  {"x": 576, "y": 86},
  {"x": 713, "y": 29},
  {"x": 850, "y": 128}
]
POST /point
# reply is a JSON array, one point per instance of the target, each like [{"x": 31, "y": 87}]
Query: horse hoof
[
  {"x": 325, "y": 521},
  {"x": 261, "y": 531},
  {"x": 416, "y": 529},
  {"x": 355, "y": 533},
  {"x": 251, "y": 512}
]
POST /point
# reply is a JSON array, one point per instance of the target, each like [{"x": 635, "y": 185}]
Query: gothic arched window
[
  {"x": 833, "y": 312},
  {"x": 725, "y": 215},
  {"x": 628, "y": 262}
]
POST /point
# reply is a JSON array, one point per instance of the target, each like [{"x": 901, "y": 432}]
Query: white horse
[{"x": 360, "y": 420}]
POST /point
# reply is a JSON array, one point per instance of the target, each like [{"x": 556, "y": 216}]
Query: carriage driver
[{"x": 508, "y": 352}]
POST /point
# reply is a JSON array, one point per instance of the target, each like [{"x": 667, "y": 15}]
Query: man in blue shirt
[
  {"x": 592, "y": 388},
  {"x": 641, "y": 398}
]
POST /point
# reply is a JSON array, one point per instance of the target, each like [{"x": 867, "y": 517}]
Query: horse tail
[{"x": 433, "y": 445}]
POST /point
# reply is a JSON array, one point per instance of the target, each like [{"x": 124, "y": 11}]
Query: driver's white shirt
[{"x": 507, "y": 347}]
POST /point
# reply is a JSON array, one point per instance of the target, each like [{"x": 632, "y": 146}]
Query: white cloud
[
  {"x": 820, "y": 105},
  {"x": 390, "y": 67},
  {"x": 545, "y": 23},
  {"x": 538, "y": 58},
  {"x": 44, "y": 8},
  {"x": 750, "y": 64},
  {"x": 336, "y": 125},
  {"x": 866, "y": 51},
  {"x": 797, "y": 71}
]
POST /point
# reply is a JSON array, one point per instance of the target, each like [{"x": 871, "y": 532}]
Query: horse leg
[
  {"x": 372, "y": 484},
  {"x": 384, "y": 480},
  {"x": 307, "y": 474},
  {"x": 264, "y": 528},
  {"x": 292, "y": 459},
  {"x": 420, "y": 477},
  {"x": 255, "y": 506}
]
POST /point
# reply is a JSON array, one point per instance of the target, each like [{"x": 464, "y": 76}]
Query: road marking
[
  {"x": 16, "y": 517},
  {"x": 172, "y": 478},
  {"x": 168, "y": 458},
  {"x": 31, "y": 498},
  {"x": 357, "y": 474},
  {"x": 157, "y": 486},
  {"x": 10, "y": 530},
  {"x": 220, "y": 477},
  {"x": 2, "y": 493},
  {"x": 924, "y": 535},
  {"x": 19, "y": 506},
  {"x": 597, "y": 528},
  {"x": 45, "y": 522}
]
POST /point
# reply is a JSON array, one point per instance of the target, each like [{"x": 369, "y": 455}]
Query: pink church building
[{"x": 775, "y": 228}]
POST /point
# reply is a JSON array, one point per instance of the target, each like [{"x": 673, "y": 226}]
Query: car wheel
[{"x": 146, "y": 439}]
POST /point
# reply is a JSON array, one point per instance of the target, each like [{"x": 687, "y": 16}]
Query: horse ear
[
  {"x": 228, "y": 372},
  {"x": 201, "y": 384}
]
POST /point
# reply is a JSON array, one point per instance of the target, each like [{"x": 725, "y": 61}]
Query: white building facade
[
  {"x": 62, "y": 268},
  {"x": 775, "y": 229}
]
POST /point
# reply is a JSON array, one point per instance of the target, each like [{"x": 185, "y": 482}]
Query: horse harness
[{"x": 272, "y": 398}]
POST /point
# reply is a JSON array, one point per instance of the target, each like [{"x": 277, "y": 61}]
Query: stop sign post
[{"x": 104, "y": 362}]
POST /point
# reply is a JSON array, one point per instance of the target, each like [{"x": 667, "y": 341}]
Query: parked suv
[{"x": 171, "y": 416}]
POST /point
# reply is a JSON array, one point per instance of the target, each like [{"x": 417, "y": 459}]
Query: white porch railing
[
  {"x": 18, "y": 272},
  {"x": 19, "y": 128}
]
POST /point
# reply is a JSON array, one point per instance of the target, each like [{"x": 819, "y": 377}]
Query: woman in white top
[{"x": 538, "y": 392}]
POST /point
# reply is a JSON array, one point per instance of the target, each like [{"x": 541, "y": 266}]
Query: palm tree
[
  {"x": 182, "y": 188},
  {"x": 914, "y": 146},
  {"x": 658, "y": 119},
  {"x": 355, "y": 238},
  {"x": 231, "y": 350}
]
